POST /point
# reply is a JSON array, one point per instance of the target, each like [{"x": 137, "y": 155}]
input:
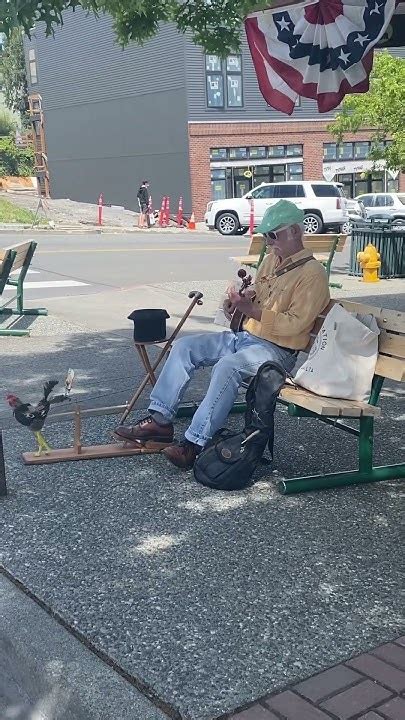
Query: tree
[
  {"x": 382, "y": 109},
  {"x": 214, "y": 24},
  {"x": 13, "y": 72},
  {"x": 14, "y": 161},
  {"x": 8, "y": 123}
]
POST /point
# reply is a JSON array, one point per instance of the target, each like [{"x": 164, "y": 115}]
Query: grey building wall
[
  {"x": 254, "y": 105},
  {"x": 113, "y": 117}
]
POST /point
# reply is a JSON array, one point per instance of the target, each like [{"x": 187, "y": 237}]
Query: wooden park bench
[
  {"x": 302, "y": 403},
  {"x": 323, "y": 247},
  {"x": 333, "y": 411},
  {"x": 14, "y": 263}
]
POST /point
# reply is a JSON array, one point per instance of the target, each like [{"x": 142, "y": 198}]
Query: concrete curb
[
  {"x": 92, "y": 229},
  {"x": 47, "y": 672}
]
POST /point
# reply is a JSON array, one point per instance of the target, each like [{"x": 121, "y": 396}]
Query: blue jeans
[{"x": 234, "y": 357}]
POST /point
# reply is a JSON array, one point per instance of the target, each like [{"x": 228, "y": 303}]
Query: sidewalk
[
  {"x": 46, "y": 670},
  {"x": 161, "y": 599}
]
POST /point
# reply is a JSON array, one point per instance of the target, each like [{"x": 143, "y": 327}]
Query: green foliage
[
  {"x": 382, "y": 109},
  {"x": 13, "y": 72},
  {"x": 215, "y": 25},
  {"x": 15, "y": 161},
  {"x": 8, "y": 123}
]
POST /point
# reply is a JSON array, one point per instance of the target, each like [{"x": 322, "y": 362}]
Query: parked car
[
  {"x": 323, "y": 203},
  {"x": 357, "y": 215},
  {"x": 385, "y": 206}
]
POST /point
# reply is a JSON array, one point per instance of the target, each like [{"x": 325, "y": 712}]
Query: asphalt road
[
  {"x": 68, "y": 265},
  {"x": 84, "y": 264}
]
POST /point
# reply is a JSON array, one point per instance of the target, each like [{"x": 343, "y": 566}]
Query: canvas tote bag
[{"x": 341, "y": 362}]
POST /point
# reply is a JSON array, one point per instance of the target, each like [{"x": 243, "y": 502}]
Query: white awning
[{"x": 330, "y": 169}]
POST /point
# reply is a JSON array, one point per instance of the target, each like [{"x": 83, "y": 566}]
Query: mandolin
[{"x": 237, "y": 316}]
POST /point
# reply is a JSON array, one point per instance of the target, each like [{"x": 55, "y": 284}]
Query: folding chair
[{"x": 141, "y": 347}]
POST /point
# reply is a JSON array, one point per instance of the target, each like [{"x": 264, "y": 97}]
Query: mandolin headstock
[{"x": 246, "y": 280}]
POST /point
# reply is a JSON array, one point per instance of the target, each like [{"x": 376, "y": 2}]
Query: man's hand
[{"x": 244, "y": 304}]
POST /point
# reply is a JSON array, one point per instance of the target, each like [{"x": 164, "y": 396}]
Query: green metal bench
[
  {"x": 301, "y": 403},
  {"x": 332, "y": 411},
  {"x": 15, "y": 260},
  {"x": 323, "y": 247}
]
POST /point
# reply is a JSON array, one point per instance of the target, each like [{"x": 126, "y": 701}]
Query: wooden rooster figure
[{"x": 34, "y": 416}]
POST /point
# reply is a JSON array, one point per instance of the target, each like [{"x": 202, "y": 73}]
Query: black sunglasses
[{"x": 272, "y": 235}]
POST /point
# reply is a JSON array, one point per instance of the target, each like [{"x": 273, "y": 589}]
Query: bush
[
  {"x": 18, "y": 162},
  {"x": 8, "y": 124}
]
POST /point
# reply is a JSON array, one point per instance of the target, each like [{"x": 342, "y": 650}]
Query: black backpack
[{"x": 229, "y": 459}]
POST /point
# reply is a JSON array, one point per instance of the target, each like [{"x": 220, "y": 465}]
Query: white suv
[
  {"x": 385, "y": 206},
  {"x": 322, "y": 202}
]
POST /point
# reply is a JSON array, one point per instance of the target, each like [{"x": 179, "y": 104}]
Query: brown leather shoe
[
  {"x": 183, "y": 454},
  {"x": 147, "y": 429}
]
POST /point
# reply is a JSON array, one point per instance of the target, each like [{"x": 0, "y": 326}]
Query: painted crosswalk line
[
  {"x": 29, "y": 272},
  {"x": 47, "y": 284}
]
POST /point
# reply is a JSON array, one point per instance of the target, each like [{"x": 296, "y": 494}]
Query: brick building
[{"x": 192, "y": 124}]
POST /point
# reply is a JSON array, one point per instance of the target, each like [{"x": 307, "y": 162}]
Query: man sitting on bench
[{"x": 291, "y": 289}]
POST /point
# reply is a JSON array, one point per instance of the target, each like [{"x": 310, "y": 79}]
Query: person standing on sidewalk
[
  {"x": 143, "y": 200},
  {"x": 290, "y": 291}
]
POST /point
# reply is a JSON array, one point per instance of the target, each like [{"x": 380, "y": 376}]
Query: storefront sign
[
  {"x": 350, "y": 166},
  {"x": 247, "y": 174}
]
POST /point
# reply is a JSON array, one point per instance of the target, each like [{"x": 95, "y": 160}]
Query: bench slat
[
  {"x": 386, "y": 319},
  {"x": 247, "y": 259},
  {"x": 254, "y": 259},
  {"x": 22, "y": 250},
  {"x": 316, "y": 243},
  {"x": 389, "y": 367},
  {"x": 390, "y": 344},
  {"x": 328, "y": 407}
]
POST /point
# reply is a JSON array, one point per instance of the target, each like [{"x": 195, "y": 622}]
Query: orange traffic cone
[{"x": 191, "y": 222}]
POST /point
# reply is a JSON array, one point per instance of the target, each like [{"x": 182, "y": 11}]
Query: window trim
[
  {"x": 234, "y": 73},
  {"x": 224, "y": 73},
  {"x": 32, "y": 67},
  {"x": 220, "y": 75}
]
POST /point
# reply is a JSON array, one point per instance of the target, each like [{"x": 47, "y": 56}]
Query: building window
[
  {"x": 276, "y": 151},
  {"x": 213, "y": 63},
  {"x": 224, "y": 81},
  {"x": 329, "y": 151},
  {"x": 218, "y": 184},
  {"x": 377, "y": 182},
  {"x": 215, "y": 90},
  {"x": 257, "y": 153},
  {"x": 32, "y": 65},
  {"x": 294, "y": 151},
  {"x": 239, "y": 153},
  {"x": 361, "y": 150},
  {"x": 392, "y": 185},
  {"x": 278, "y": 173},
  {"x": 234, "y": 80},
  {"x": 285, "y": 151},
  {"x": 295, "y": 171},
  {"x": 345, "y": 151},
  {"x": 218, "y": 154}
]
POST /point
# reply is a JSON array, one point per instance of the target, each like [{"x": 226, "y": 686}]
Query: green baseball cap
[{"x": 282, "y": 214}]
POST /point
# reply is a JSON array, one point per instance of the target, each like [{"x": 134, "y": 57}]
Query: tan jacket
[{"x": 291, "y": 302}]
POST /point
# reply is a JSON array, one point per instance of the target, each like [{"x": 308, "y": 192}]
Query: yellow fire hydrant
[{"x": 370, "y": 261}]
